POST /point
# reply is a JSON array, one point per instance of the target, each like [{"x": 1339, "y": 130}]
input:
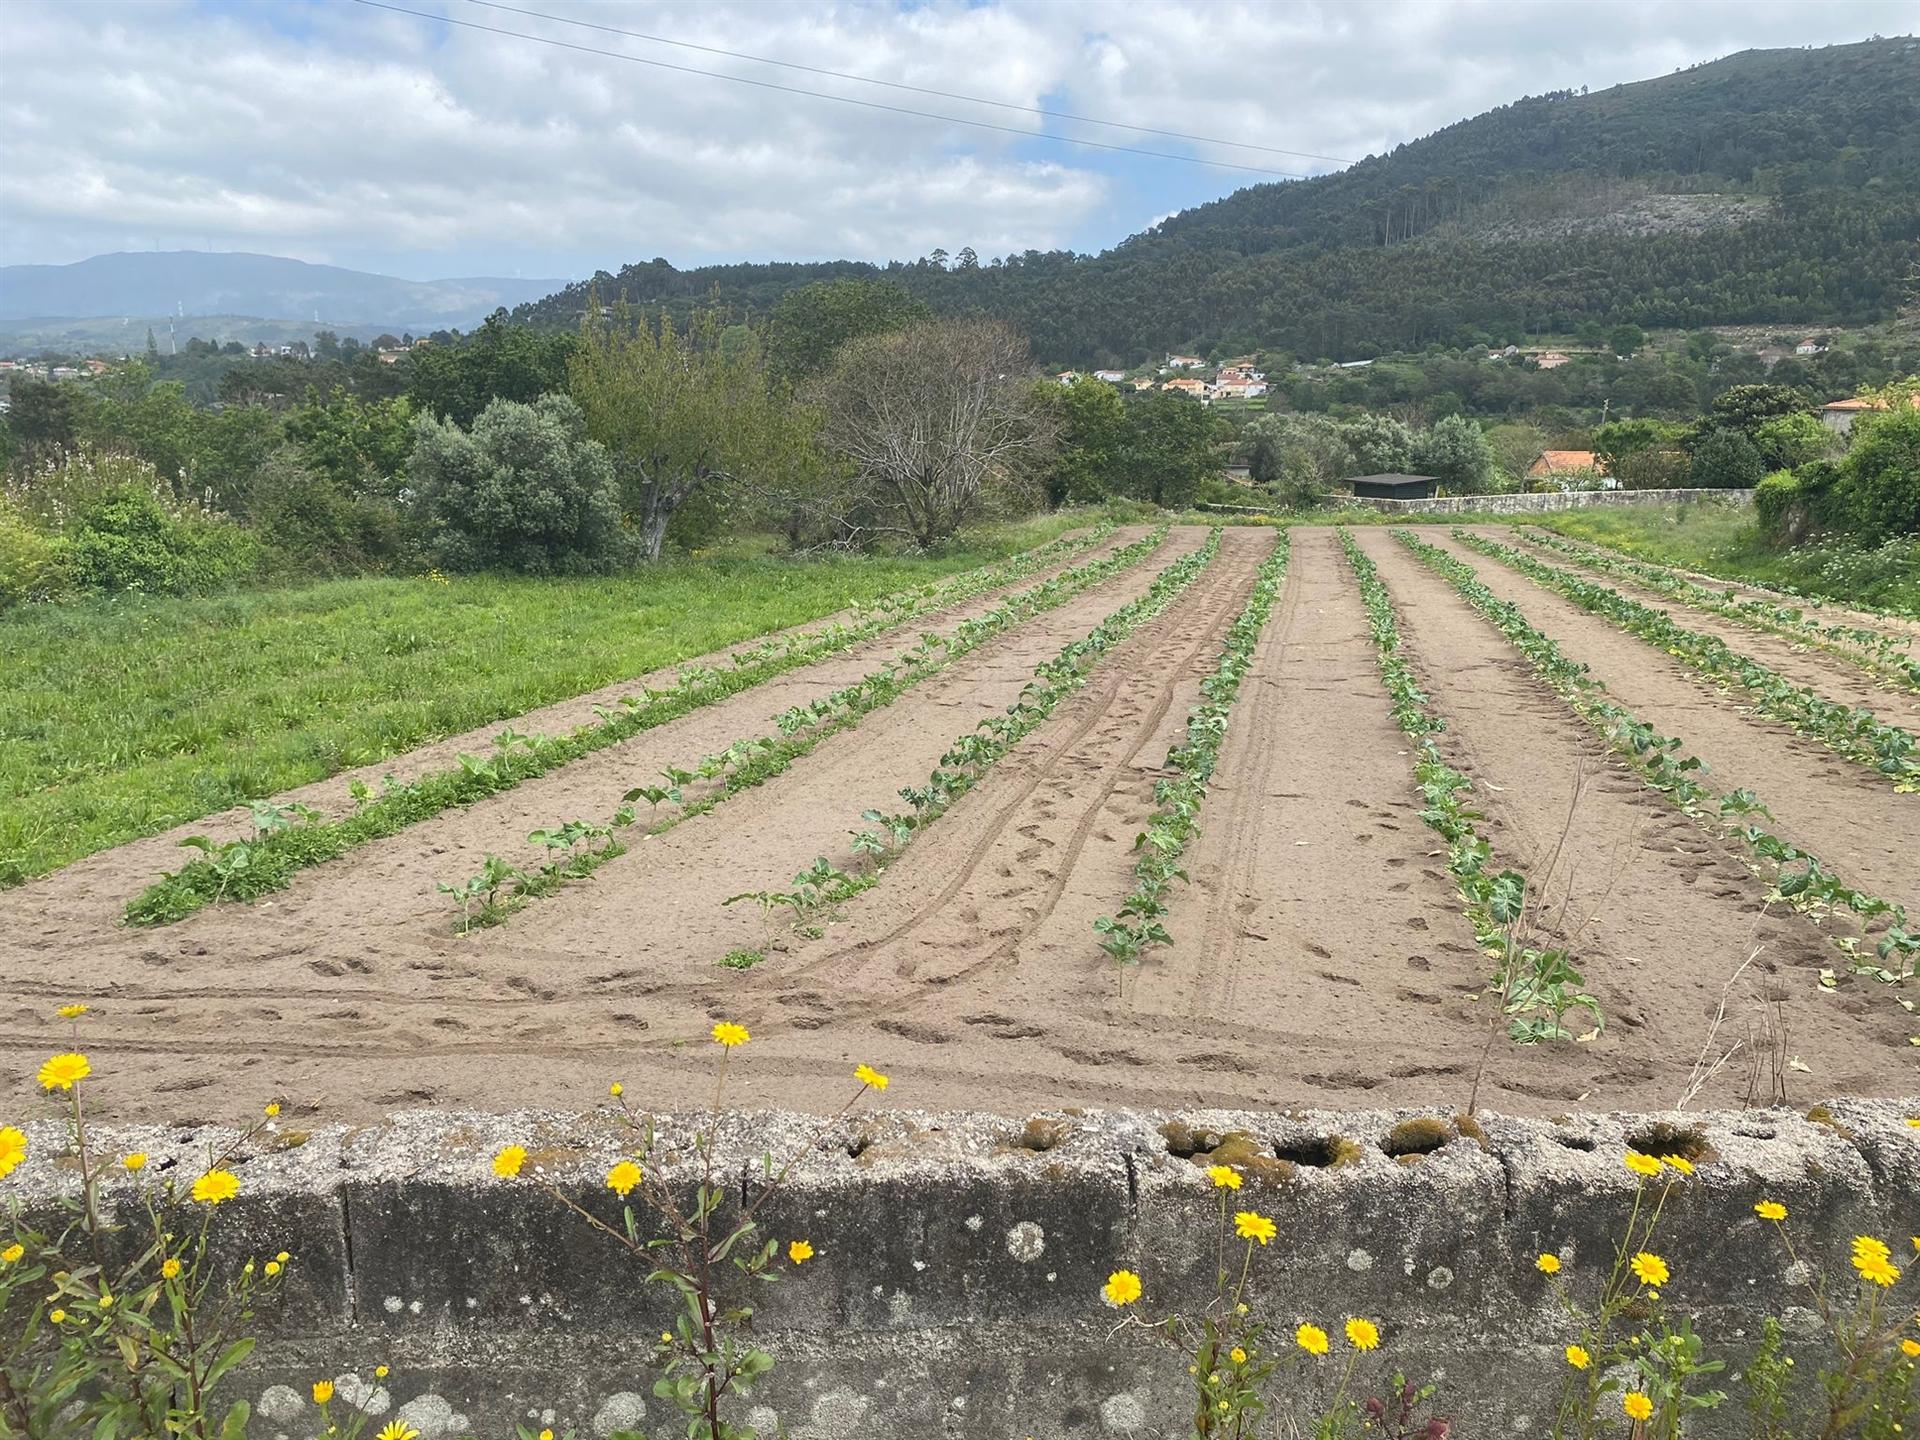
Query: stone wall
[
  {"x": 1526, "y": 504},
  {"x": 955, "y": 1291}
]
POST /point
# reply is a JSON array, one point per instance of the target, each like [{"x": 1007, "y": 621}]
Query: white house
[
  {"x": 1809, "y": 346},
  {"x": 1247, "y": 389},
  {"x": 1067, "y": 377},
  {"x": 1184, "y": 362},
  {"x": 1112, "y": 377}
]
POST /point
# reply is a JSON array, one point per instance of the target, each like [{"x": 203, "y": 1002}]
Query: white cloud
[{"x": 337, "y": 131}]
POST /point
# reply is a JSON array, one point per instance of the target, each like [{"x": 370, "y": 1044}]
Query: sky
[{"x": 337, "y": 132}]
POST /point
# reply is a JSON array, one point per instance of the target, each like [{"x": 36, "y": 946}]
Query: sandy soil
[{"x": 1320, "y": 954}]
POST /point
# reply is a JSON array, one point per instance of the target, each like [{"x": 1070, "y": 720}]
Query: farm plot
[{"x": 1407, "y": 843}]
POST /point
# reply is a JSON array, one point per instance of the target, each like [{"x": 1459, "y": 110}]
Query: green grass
[
  {"x": 122, "y": 718},
  {"x": 1724, "y": 540}
]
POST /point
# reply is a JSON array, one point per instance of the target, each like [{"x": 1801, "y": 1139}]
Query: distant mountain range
[
  {"x": 1770, "y": 187},
  {"x": 166, "y": 284}
]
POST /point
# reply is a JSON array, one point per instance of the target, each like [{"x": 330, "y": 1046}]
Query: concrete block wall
[{"x": 955, "y": 1291}]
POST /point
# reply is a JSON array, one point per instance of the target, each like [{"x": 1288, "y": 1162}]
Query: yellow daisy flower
[
  {"x": 1547, "y": 1264},
  {"x": 135, "y": 1162},
  {"x": 13, "y": 1149},
  {"x": 1637, "y": 1405},
  {"x": 799, "y": 1252},
  {"x": 1770, "y": 1210},
  {"x": 1224, "y": 1177},
  {"x": 71, "y": 1012},
  {"x": 12, "y": 1253},
  {"x": 1122, "y": 1288},
  {"x": 216, "y": 1186},
  {"x": 1251, "y": 1225},
  {"x": 867, "y": 1075},
  {"x": 1237, "y": 1355},
  {"x": 507, "y": 1163},
  {"x": 1578, "y": 1357},
  {"x": 1677, "y": 1162},
  {"x": 1312, "y": 1339},
  {"x": 728, "y": 1034},
  {"x": 322, "y": 1391},
  {"x": 398, "y": 1430},
  {"x": 1363, "y": 1334},
  {"x": 623, "y": 1177},
  {"x": 1649, "y": 1268},
  {"x": 63, "y": 1072},
  {"x": 169, "y": 1268},
  {"x": 1640, "y": 1164}
]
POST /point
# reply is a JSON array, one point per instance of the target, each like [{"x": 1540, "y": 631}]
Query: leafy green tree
[
  {"x": 1725, "y": 459},
  {"x": 1169, "y": 449},
  {"x": 681, "y": 412},
  {"x": 43, "y": 413},
  {"x": 499, "y": 361},
  {"x": 1094, "y": 437},
  {"x": 361, "y": 447},
  {"x": 1881, "y": 474},
  {"x": 526, "y": 490},
  {"x": 1455, "y": 452},
  {"x": 1788, "y": 441},
  {"x": 811, "y": 323},
  {"x": 1625, "y": 339},
  {"x": 1379, "y": 444},
  {"x": 1746, "y": 408}
]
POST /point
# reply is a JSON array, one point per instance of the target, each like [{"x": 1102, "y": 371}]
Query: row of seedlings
[
  {"x": 1854, "y": 732},
  {"x": 1794, "y": 876},
  {"x": 1179, "y": 795},
  {"x": 800, "y": 729},
  {"x": 966, "y": 762},
  {"x": 1538, "y": 986},
  {"x": 289, "y": 838},
  {"x": 1875, "y": 651}
]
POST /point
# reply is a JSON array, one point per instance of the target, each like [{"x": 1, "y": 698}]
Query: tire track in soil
[
  {"x": 662, "y": 899},
  {"x": 1658, "y": 913},
  {"x": 989, "y": 885},
  {"x": 1318, "y": 906},
  {"x": 1827, "y": 675},
  {"x": 1827, "y": 805},
  {"x": 92, "y": 892}
]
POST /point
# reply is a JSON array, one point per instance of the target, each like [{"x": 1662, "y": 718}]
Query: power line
[
  {"x": 823, "y": 95},
  {"x": 914, "y": 89}
]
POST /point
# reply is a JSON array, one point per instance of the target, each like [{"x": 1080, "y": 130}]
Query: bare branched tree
[{"x": 935, "y": 418}]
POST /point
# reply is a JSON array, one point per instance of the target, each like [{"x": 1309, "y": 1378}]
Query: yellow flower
[
  {"x": 1678, "y": 1162},
  {"x": 283, "y": 1257},
  {"x": 623, "y": 1177},
  {"x": 1252, "y": 1225},
  {"x": 867, "y": 1075},
  {"x": 1640, "y": 1164},
  {"x": 728, "y": 1034},
  {"x": 546, "y": 1435},
  {"x": 106, "y": 1302},
  {"x": 1910, "y": 1349},
  {"x": 1363, "y": 1334},
  {"x": 71, "y": 1012},
  {"x": 1637, "y": 1405},
  {"x": 508, "y": 1162},
  {"x": 666, "y": 1337},
  {"x": 1770, "y": 1210},
  {"x": 1649, "y": 1268},
  {"x": 380, "y": 1372},
  {"x": 135, "y": 1162},
  {"x": 1224, "y": 1177},
  {"x": 273, "y": 1267},
  {"x": 799, "y": 1252},
  {"x": 1547, "y": 1264},
  {"x": 13, "y": 1149},
  {"x": 1312, "y": 1339},
  {"x": 1578, "y": 1357},
  {"x": 58, "y": 1317},
  {"x": 169, "y": 1268},
  {"x": 398, "y": 1430},
  {"x": 1879, "y": 1270},
  {"x": 215, "y": 1186},
  {"x": 1122, "y": 1288},
  {"x": 1868, "y": 1245},
  {"x": 1237, "y": 1355},
  {"x": 12, "y": 1253},
  {"x": 273, "y": 1108},
  {"x": 616, "y": 1089},
  {"x": 63, "y": 1072}
]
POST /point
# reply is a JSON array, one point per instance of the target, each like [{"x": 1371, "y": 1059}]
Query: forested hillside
[{"x": 1803, "y": 165}]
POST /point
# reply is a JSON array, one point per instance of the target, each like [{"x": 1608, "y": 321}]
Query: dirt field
[{"x": 1321, "y": 955}]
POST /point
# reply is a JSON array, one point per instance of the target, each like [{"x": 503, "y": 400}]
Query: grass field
[
  {"x": 121, "y": 718},
  {"x": 1724, "y": 541}
]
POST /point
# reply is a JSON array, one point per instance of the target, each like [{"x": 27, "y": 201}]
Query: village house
[
  {"x": 1839, "y": 415},
  {"x": 1243, "y": 388},
  {"x": 1810, "y": 346},
  {"x": 1558, "y": 464},
  {"x": 1183, "y": 362},
  {"x": 1551, "y": 359},
  {"x": 1196, "y": 388},
  {"x": 1067, "y": 377},
  {"x": 1143, "y": 384},
  {"x": 1112, "y": 377}
]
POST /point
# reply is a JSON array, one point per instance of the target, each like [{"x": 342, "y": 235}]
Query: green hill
[{"x": 1771, "y": 187}]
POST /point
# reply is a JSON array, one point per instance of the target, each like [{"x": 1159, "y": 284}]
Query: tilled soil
[{"x": 1320, "y": 954}]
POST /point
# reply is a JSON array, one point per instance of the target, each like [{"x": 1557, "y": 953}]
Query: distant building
[
  {"x": 1354, "y": 364},
  {"x": 1196, "y": 388},
  {"x": 1551, "y": 359},
  {"x": 1553, "y": 463},
  {"x": 1184, "y": 362},
  {"x": 1067, "y": 377},
  {"x": 1809, "y": 346},
  {"x": 1143, "y": 384},
  {"x": 1112, "y": 377},
  {"x": 1394, "y": 487},
  {"x": 1838, "y": 415},
  {"x": 1239, "y": 389}
]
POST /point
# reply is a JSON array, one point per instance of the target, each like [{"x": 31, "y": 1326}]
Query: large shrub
[
  {"x": 131, "y": 539},
  {"x": 525, "y": 490},
  {"x": 320, "y": 527},
  {"x": 1882, "y": 474},
  {"x": 32, "y": 563},
  {"x": 1726, "y": 460}
]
